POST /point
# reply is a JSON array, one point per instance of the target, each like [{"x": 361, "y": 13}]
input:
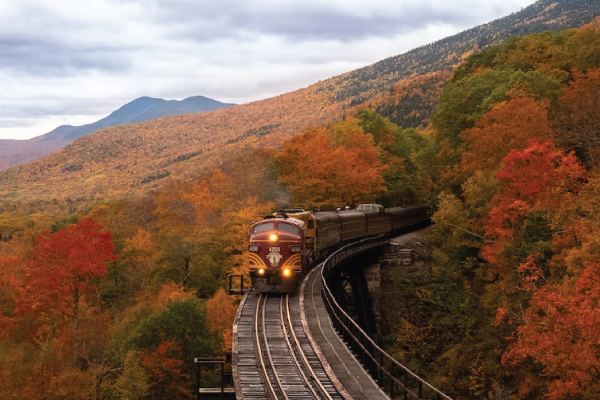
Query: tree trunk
[
  {"x": 186, "y": 274},
  {"x": 76, "y": 326}
]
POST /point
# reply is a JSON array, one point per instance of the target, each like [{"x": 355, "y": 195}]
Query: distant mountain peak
[{"x": 142, "y": 109}]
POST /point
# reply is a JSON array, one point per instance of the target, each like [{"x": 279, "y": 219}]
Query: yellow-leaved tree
[{"x": 220, "y": 313}]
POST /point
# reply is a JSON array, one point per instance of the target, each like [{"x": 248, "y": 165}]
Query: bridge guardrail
[{"x": 389, "y": 373}]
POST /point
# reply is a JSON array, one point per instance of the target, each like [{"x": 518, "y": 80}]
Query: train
[{"x": 284, "y": 246}]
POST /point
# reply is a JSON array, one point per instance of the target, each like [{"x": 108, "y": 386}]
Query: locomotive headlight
[
  {"x": 253, "y": 249},
  {"x": 287, "y": 272},
  {"x": 296, "y": 249},
  {"x": 261, "y": 271},
  {"x": 273, "y": 237}
]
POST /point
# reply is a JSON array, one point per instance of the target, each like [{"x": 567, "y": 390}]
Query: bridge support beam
[{"x": 351, "y": 286}]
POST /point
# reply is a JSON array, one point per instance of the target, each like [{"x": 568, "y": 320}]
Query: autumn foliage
[
  {"x": 220, "y": 313},
  {"x": 562, "y": 332},
  {"x": 332, "y": 167},
  {"x": 538, "y": 177},
  {"x": 62, "y": 272},
  {"x": 115, "y": 301},
  {"x": 508, "y": 125},
  {"x": 128, "y": 325},
  {"x": 64, "y": 265},
  {"x": 578, "y": 124},
  {"x": 517, "y": 222},
  {"x": 8, "y": 265}
]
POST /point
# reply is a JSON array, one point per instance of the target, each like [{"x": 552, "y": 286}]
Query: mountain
[
  {"x": 135, "y": 158},
  {"x": 16, "y": 152},
  {"x": 445, "y": 54}
]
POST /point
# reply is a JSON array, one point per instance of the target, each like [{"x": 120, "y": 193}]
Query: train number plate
[{"x": 261, "y": 281}]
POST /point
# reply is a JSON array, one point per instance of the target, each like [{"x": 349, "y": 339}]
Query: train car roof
[
  {"x": 326, "y": 215},
  {"x": 295, "y": 221},
  {"x": 394, "y": 210},
  {"x": 351, "y": 213},
  {"x": 370, "y": 207},
  {"x": 293, "y": 210}
]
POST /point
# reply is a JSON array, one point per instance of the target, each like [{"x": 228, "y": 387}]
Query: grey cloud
[
  {"x": 66, "y": 60},
  {"x": 43, "y": 107},
  {"x": 37, "y": 56},
  {"x": 235, "y": 19},
  {"x": 13, "y": 123},
  {"x": 38, "y": 40},
  {"x": 52, "y": 47}
]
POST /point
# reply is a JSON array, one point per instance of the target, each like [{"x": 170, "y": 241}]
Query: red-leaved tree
[
  {"x": 562, "y": 332},
  {"x": 538, "y": 177},
  {"x": 62, "y": 271},
  {"x": 8, "y": 265}
]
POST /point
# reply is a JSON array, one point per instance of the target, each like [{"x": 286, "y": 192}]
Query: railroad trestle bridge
[{"x": 306, "y": 346}]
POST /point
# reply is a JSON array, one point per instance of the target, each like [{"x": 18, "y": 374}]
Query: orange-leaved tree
[
  {"x": 162, "y": 362},
  {"x": 139, "y": 255},
  {"x": 220, "y": 313},
  {"x": 62, "y": 272},
  {"x": 578, "y": 122},
  {"x": 561, "y": 334},
  {"x": 331, "y": 167},
  {"x": 507, "y": 126},
  {"x": 190, "y": 214}
]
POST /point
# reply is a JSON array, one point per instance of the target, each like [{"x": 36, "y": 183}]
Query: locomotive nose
[{"x": 275, "y": 255}]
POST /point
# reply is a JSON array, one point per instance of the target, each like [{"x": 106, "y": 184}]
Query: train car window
[
  {"x": 269, "y": 226},
  {"x": 288, "y": 228}
]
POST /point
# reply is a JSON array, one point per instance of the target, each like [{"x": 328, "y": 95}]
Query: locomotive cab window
[
  {"x": 264, "y": 227},
  {"x": 288, "y": 228}
]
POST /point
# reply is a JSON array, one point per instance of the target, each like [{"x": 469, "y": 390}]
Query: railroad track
[{"x": 284, "y": 365}]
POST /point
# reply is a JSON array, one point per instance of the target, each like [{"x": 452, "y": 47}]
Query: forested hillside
[
  {"x": 136, "y": 158},
  {"x": 443, "y": 55},
  {"x": 506, "y": 305},
  {"x": 411, "y": 103}
]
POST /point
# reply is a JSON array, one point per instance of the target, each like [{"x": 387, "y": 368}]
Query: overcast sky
[{"x": 75, "y": 61}]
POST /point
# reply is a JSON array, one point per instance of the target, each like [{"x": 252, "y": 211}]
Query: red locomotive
[
  {"x": 284, "y": 246},
  {"x": 275, "y": 253}
]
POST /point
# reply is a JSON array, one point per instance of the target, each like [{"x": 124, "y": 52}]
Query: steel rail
[
  {"x": 297, "y": 362},
  {"x": 303, "y": 360},
  {"x": 259, "y": 347},
  {"x": 268, "y": 350}
]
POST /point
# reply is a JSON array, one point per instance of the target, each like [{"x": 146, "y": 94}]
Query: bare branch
[{"x": 473, "y": 234}]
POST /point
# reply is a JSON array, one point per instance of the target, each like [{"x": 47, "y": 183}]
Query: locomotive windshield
[
  {"x": 281, "y": 226},
  {"x": 269, "y": 226},
  {"x": 289, "y": 228}
]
